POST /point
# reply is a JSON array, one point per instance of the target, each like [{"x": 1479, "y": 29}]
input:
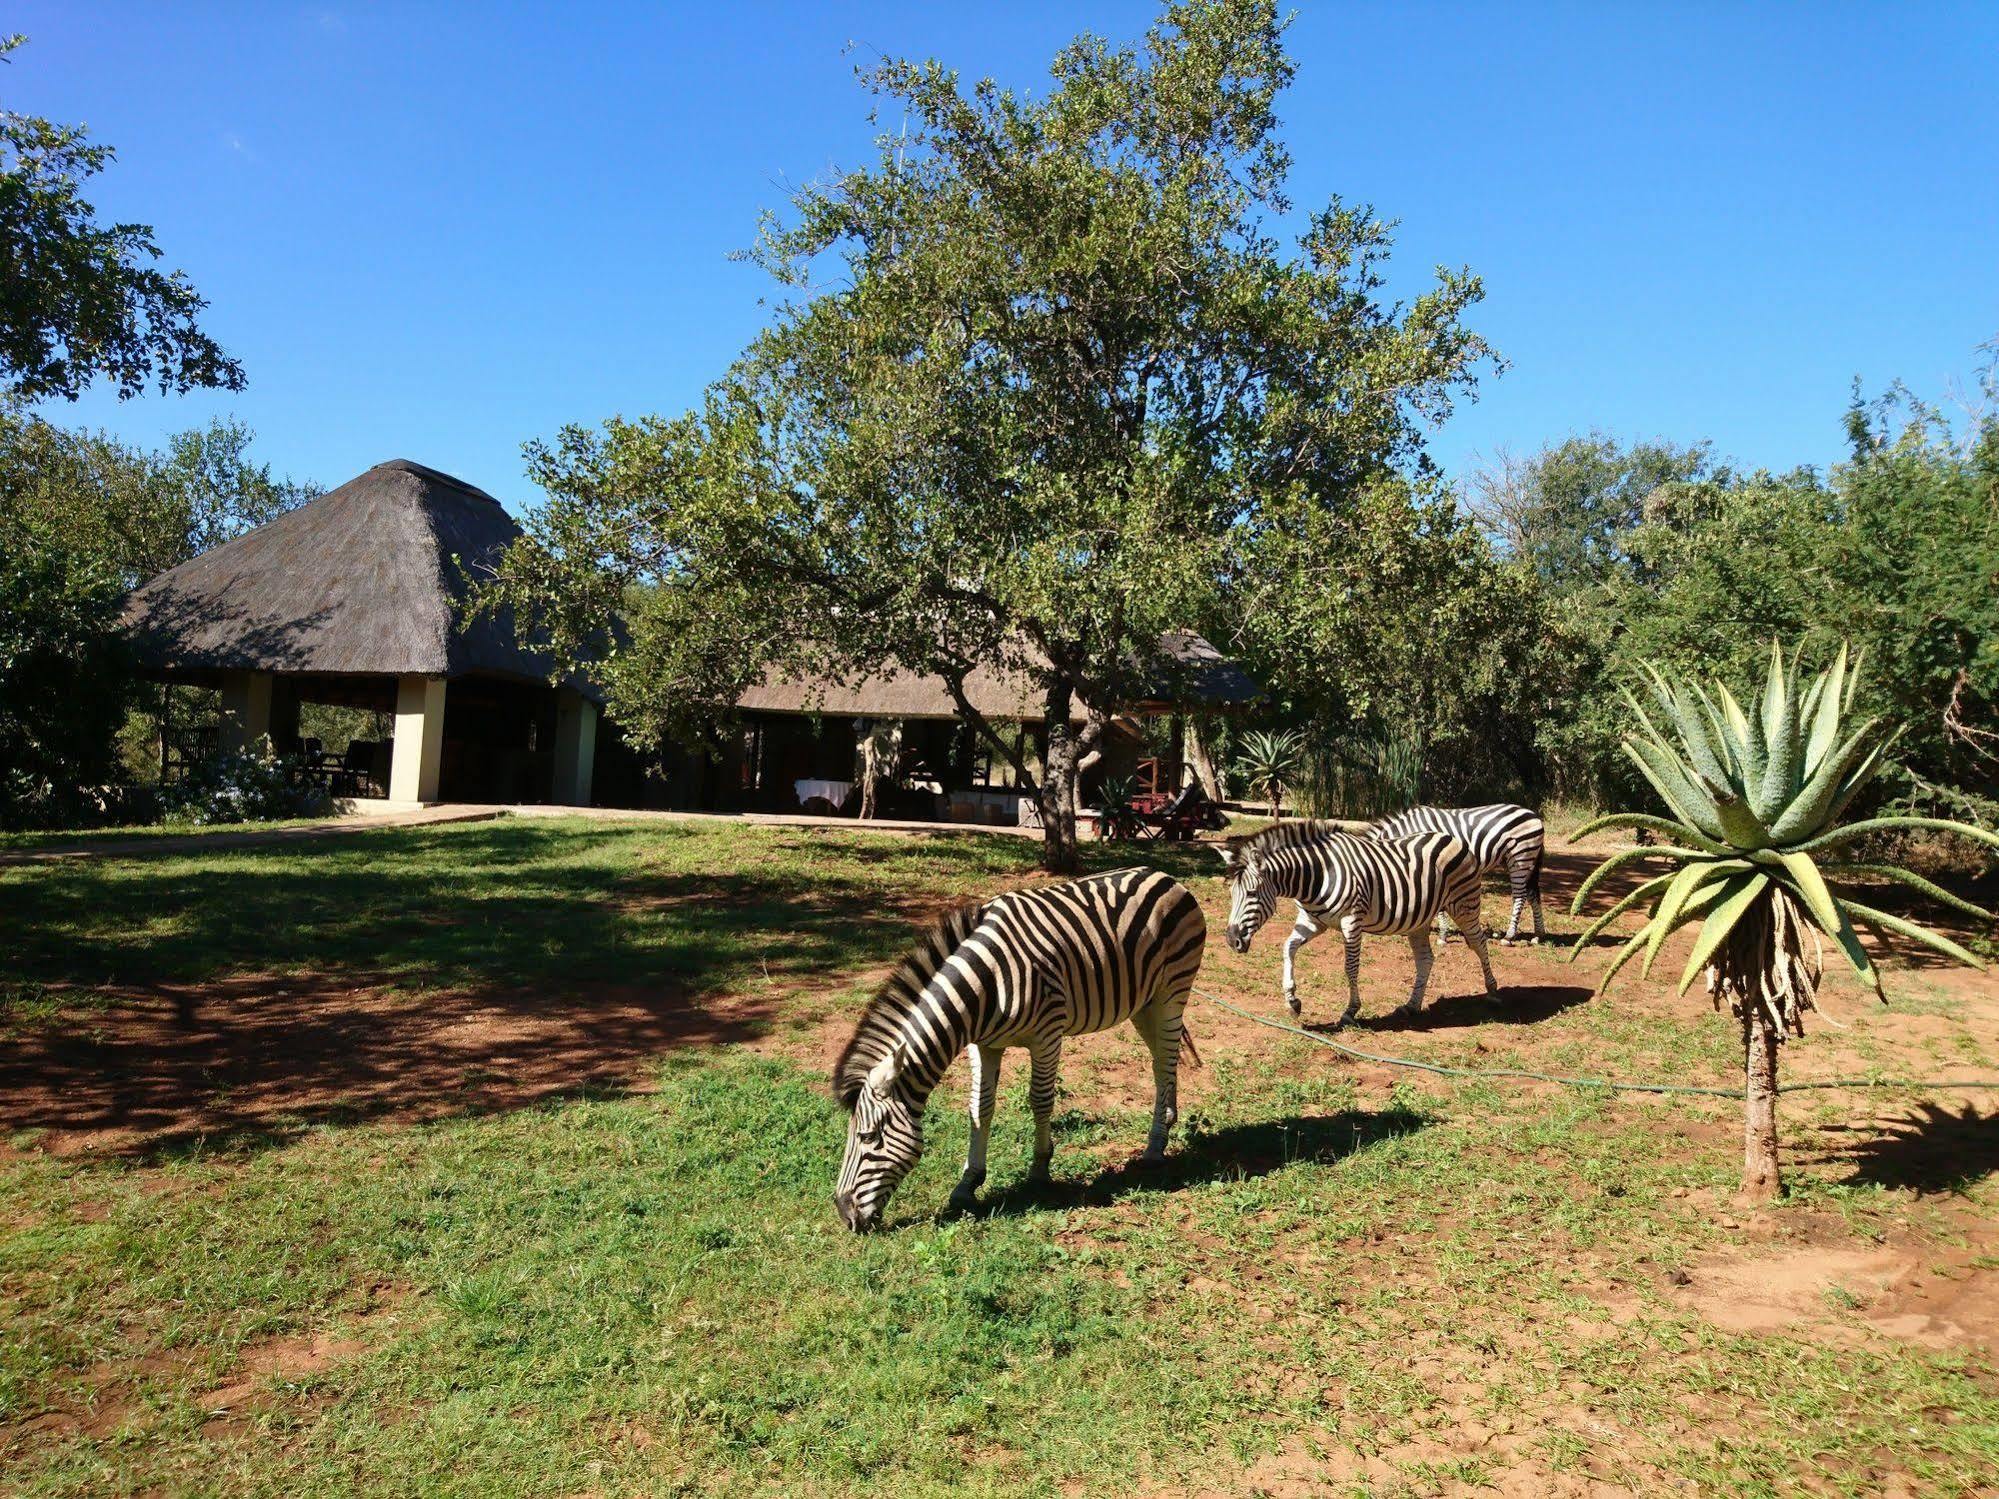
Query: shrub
[{"x": 251, "y": 785}]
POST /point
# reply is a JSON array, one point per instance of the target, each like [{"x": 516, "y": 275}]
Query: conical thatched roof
[{"x": 367, "y": 579}]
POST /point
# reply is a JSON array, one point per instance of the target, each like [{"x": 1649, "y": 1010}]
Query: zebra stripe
[
  {"x": 1362, "y": 885},
  {"x": 1024, "y": 969},
  {"x": 1500, "y": 836}
]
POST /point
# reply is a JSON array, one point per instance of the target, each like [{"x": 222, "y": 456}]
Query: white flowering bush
[{"x": 253, "y": 785}]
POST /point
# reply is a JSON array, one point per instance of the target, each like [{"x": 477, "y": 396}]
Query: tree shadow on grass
[
  {"x": 240, "y": 998},
  {"x": 261, "y": 1062},
  {"x": 1241, "y": 1152},
  {"x": 1937, "y": 1148}
]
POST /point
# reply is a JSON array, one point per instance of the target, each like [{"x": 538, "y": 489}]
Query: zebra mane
[
  {"x": 881, "y": 1021},
  {"x": 1293, "y": 834}
]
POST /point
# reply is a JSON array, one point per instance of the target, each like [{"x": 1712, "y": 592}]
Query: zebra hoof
[{"x": 962, "y": 1200}]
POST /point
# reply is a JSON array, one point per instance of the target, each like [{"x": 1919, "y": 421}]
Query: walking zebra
[
  {"x": 1500, "y": 836},
  {"x": 1369, "y": 884},
  {"x": 1024, "y": 969}
]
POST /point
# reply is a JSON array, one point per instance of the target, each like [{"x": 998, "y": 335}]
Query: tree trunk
[
  {"x": 1058, "y": 799},
  {"x": 1203, "y": 761},
  {"x": 1760, "y": 1181},
  {"x": 1764, "y": 974}
]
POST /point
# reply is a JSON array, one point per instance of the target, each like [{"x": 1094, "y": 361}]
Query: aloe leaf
[
  {"x": 1694, "y": 878},
  {"x": 1638, "y": 711},
  {"x": 1723, "y": 736},
  {"x": 1642, "y": 894},
  {"x": 1910, "y": 878},
  {"x": 1700, "y": 746},
  {"x": 1624, "y": 955},
  {"x": 1739, "y": 823},
  {"x": 1780, "y": 771},
  {"x": 1737, "y": 896},
  {"x": 1861, "y": 775},
  {"x": 1813, "y": 804},
  {"x": 1855, "y": 830},
  {"x": 1853, "y": 678},
  {"x": 1662, "y": 825},
  {"x": 1662, "y": 768},
  {"x": 1656, "y": 931},
  {"x": 1915, "y": 933},
  {"x": 1617, "y": 861},
  {"x": 1776, "y": 708},
  {"x": 1811, "y": 886},
  {"x": 1745, "y": 728},
  {"x": 1825, "y": 722},
  {"x": 1736, "y": 719}
]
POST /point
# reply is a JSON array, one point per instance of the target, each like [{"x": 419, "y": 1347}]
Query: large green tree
[
  {"x": 80, "y": 298},
  {"x": 1044, "y": 385},
  {"x": 133, "y": 512}
]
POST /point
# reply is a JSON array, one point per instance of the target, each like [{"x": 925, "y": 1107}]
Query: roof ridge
[{"x": 438, "y": 476}]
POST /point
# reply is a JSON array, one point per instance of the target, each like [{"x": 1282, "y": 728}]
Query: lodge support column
[
  {"x": 418, "y": 751},
  {"x": 246, "y": 708},
  {"x": 575, "y": 747}
]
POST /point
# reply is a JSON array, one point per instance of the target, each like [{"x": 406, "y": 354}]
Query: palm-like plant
[
  {"x": 1756, "y": 800},
  {"x": 1270, "y": 761}
]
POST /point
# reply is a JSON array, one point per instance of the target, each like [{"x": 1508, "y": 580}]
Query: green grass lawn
[{"x": 640, "y": 1287}]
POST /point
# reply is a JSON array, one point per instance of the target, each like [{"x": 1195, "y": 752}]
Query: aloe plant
[
  {"x": 1269, "y": 762},
  {"x": 1756, "y": 797}
]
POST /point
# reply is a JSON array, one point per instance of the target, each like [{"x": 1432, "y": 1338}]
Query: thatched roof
[
  {"x": 1205, "y": 679},
  {"x": 365, "y": 580}
]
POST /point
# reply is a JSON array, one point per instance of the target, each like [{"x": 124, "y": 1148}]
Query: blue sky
[{"x": 435, "y": 231}]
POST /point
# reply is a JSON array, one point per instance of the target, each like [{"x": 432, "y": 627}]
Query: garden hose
[{"x": 1577, "y": 1082}]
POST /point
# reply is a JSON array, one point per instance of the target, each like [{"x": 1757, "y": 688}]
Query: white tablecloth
[{"x": 834, "y": 791}]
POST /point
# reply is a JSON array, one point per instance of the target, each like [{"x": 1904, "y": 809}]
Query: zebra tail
[
  {"x": 1534, "y": 874},
  {"x": 1187, "y": 1047}
]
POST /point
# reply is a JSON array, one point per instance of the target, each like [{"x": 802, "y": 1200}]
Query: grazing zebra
[
  {"x": 1362, "y": 884},
  {"x": 1024, "y": 969},
  {"x": 1500, "y": 836}
]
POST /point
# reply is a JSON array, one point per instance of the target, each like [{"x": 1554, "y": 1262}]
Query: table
[{"x": 835, "y": 792}]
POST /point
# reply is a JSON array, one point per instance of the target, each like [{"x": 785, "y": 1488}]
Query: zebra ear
[
  {"x": 883, "y": 1077},
  {"x": 1231, "y": 856}
]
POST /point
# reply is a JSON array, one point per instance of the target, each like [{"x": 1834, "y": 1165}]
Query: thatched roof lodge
[
  {"x": 355, "y": 599},
  {"x": 800, "y": 732}
]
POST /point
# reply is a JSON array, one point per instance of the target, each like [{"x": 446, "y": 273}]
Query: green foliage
[
  {"x": 1568, "y": 512},
  {"x": 253, "y": 785},
  {"x": 1756, "y": 798},
  {"x": 135, "y": 512},
  {"x": 80, "y": 298},
  {"x": 1068, "y": 392},
  {"x": 64, "y": 684},
  {"x": 1896, "y": 549},
  {"x": 83, "y": 518}
]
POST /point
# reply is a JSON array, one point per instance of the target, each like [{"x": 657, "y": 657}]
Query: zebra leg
[
  {"x": 1302, "y": 931},
  {"x": 1521, "y": 876},
  {"x": 1160, "y": 1024},
  {"x": 1475, "y": 935},
  {"x": 1419, "y": 948},
  {"x": 1350, "y": 934},
  {"x": 1045, "y": 1056},
  {"x": 985, "y": 1062}
]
